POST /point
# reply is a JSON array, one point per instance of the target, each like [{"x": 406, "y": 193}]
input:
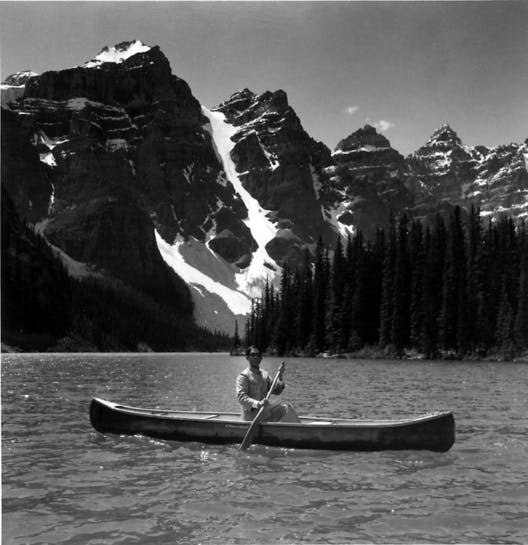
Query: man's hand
[{"x": 263, "y": 403}]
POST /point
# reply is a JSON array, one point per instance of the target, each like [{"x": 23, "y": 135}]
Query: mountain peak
[
  {"x": 365, "y": 138},
  {"x": 238, "y": 101},
  {"x": 444, "y": 136},
  {"x": 243, "y": 93},
  {"x": 118, "y": 53}
]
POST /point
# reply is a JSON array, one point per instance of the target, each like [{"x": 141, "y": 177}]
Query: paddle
[{"x": 253, "y": 428}]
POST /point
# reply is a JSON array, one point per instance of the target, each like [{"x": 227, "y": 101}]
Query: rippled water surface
[{"x": 64, "y": 483}]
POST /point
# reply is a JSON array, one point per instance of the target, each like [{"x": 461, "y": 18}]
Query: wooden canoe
[{"x": 434, "y": 432}]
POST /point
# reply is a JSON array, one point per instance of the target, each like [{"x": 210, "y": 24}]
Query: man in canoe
[{"x": 252, "y": 386}]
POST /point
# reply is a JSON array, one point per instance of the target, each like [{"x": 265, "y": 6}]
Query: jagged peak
[
  {"x": 368, "y": 129},
  {"x": 19, "y": 78},
  {"x": 278, "y": 99},
  {"x": 239, "y": 100},
  {"x": 243, "y": 93},
  {"x": 118, "y": 53},
  {"x": 445, "y": 134},
  {"x": 366, "y": 137}
]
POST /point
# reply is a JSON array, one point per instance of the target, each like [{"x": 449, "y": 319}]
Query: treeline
[{"x": 456, "y": 288}]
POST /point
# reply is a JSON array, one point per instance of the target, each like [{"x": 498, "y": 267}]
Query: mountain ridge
[{"x": 127, "y": 172}]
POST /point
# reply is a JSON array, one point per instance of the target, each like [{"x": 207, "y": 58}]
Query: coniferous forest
[{"x": 455, "y": 288}]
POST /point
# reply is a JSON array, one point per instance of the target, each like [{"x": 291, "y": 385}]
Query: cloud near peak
[
  {"x": 382, "y": 125},
  {"x": 351, "y": 110}
]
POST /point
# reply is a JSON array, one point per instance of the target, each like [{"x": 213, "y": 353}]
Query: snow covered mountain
[
  {"x": 128, "y": 176},
  {"x": 446, "y": 171}
]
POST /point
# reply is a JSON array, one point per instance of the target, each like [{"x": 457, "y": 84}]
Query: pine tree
[
  {"x": 236, "y": 337},
  {"x": 320, "y": 281},
  {"x": 283, "y": 338},
  {"x": 429, "y": 331},
  {"x": 401, "y": 292},
  {"x": 417, "y": 308},
  {"x": 521, "y": 318},
  {"x": 453, "y": 284},
  {"x": 335, "y": 334},
  {"x": 387, "y": 295},
  {"x": 305, "y": 304}
]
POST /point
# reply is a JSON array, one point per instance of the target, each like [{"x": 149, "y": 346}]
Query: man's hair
[{"x": 250, "y": 348}]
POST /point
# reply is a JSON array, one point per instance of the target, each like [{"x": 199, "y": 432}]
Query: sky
[{"x": 404, "y": 67}]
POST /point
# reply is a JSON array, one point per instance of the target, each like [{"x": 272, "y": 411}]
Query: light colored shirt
[{"x": 252, "y": 387}]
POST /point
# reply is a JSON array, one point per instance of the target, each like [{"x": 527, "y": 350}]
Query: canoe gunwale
[{"x": 311, "y": 421}]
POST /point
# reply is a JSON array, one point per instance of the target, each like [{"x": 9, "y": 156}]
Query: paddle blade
[{"x": 252, "y": 431}]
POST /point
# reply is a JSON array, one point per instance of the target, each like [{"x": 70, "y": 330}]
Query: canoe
[{"x": 434, "y": 432}]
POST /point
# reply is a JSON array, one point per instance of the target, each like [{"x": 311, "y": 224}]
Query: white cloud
[
  {"x": 351, "y": 110},
  {"x": 382, "y": 125}
]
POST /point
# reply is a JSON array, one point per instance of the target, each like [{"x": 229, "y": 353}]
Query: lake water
[{"x": 65, "y": 483}]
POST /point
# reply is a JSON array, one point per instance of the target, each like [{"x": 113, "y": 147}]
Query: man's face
[{"x": 254, "y": 358}]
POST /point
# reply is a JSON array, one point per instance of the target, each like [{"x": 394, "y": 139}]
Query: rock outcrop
[{"x": 282, "y": 167}]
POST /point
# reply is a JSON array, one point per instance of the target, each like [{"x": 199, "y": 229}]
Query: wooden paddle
[{"x": 253, "y": 428}]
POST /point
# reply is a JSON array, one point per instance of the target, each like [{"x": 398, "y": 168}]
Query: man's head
[{"x": 254, "y": 356}]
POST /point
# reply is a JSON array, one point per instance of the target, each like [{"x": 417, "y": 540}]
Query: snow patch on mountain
[
  {"x": 251, "y": 279},
  {"x": 79, "y": 103},
  {"x": 269, "y": 156},
  {"x": 333, "y": 214},
  {"x": 188, "y": 260},
  {"x": 19, "y": 79},
  {"x": 48, "y": 159},
  {"x": 362, "y": 149},
  {"x": 117, "y": 53}
]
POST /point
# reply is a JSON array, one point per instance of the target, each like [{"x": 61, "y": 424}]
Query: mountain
[
  {"x": 281, "y": 166},
  {"x": 371, "y": 178},
  {"x": 130, "y": 179},
  {"x": 446, "y": 171}
]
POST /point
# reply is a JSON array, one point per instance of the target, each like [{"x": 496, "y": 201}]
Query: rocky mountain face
[
  {"x": 370, "y": 176},
  {"x": 282, "y": 167},
  {"x": 120, "y": 168},
  {"x": 119, "y": 156},
  {"x": 446, "y": 171}
]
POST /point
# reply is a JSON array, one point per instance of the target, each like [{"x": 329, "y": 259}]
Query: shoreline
[{"x": 371, "y": 354}]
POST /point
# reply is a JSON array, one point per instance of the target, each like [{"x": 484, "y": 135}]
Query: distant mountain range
[{"x": 127, "y": 177}]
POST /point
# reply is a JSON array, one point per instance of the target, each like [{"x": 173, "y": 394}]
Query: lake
[{"x": 65, "y": 483}]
